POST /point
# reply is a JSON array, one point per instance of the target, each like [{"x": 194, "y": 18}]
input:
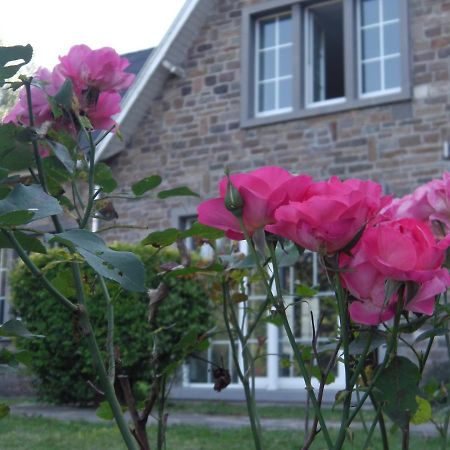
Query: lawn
[{"x": 17, "y": 433}]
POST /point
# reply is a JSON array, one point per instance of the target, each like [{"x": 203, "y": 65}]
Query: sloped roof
[
  {"x": 137, "y": 60},
  {"x": 150, "y": 79}
]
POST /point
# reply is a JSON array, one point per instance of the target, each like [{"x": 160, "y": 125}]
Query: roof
[
  {"x": 161, "y": 62},
  {"x": 137, "y": 60}
]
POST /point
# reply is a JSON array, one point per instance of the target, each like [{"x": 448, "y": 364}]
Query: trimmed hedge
[{"x": 61, "y": 360}]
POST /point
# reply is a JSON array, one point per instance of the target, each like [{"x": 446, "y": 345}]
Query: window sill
[{"x": 316, "y": 111}]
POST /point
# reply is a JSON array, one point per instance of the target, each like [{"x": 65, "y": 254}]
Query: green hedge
[{"x": 61, "y": 360}]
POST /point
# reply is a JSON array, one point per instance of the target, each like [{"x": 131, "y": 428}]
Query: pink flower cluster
[
  {"x": 396, "y": 241},
  {"x": 97, "y": 77}
]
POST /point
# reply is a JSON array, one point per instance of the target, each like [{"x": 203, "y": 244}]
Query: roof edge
[{"x": 154, "y": 61}]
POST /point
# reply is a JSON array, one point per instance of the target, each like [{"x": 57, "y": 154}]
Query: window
[
  {"x": 324, "y": 50},
  {"x": 379, "y": 42},
  {"x": 6, "y": 261},
  {"x": 302, "y": 58},
  {"x": 274, "y": 64}
]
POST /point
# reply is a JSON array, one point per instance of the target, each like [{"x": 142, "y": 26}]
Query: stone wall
[{"x": 192, "y": 130}]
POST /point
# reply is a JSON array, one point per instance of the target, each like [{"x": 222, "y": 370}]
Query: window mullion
[
  {"x": 298, "y": 59},
  {"x": 351, "y": 52},
  {"x": 382, "y": 55}
]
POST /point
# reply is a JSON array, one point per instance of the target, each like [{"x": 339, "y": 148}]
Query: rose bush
[{"x": 97, "y": 77}]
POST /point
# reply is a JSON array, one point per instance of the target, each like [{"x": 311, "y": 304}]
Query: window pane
[
  {"x": 326, "y": 42},
  {"x": 267, "y": 96},
  {"x": 267, "y": 65},
  {"x": 370, "y": 12},
  {"x": 392, "y": 73},
  {"x": 285, "y": 30},
  {"x": 285, "y": 61},
  {"x": 392, "y": 38},
  {"x": 371, "y": 43},
  {"x": 391, "y": 9},
  {"x": 267, "y": 33},
  {"x": 285, "y": 93},
  {"x": 371, "y": 77}
]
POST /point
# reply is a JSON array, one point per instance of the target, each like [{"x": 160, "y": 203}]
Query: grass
[{"x": 25, "y": 433}]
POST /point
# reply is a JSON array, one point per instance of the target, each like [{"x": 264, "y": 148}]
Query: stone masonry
[{"x": 192, "y": 130}]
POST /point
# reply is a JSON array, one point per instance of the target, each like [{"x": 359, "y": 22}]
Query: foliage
[{"x": 62, "y": 361}]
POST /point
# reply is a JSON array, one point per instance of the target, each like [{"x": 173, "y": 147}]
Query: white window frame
[
  {"x": 382, "y": 58},
  {"x": 277, "y": 79}
]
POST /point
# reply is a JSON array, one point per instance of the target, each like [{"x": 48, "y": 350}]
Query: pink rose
[
  {"x": 430, "y": 202},
  {"x": 262, "y": 191},
  {"x": 329, "y": 214},
  {"x": 402, "y": 250},
  {"x": 102, "y": 69},
  {"x": 100, "y": 114},
  {"x": 45, "y": 83}
]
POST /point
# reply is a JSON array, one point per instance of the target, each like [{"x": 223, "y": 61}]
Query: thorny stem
[
  {"x": 90, "y": 203},
  {"x": 381, "y": 367},
  {"x": 278, "y": 302},
  {"x": 110, "y": 331},
  {"x": 243, "y": 377},
  {"x": 81, "y": 308}
]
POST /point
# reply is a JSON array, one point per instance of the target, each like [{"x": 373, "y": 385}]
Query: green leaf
[
  {"x": 423, "y": 413},
  {"x": 104, "y": 411},
  {"x": 15, "y": 154},
  {"x": 65, "y": 94},
  {"x": 161, "y": 238},
  {"x": 30, "y": 199},
  {"x": 15, "y": 218},
  {"x": 19, "y": 54},
  {"x": 304, "y": 291},
  {"x": 29, "y": 243},
  {"x": 103, "y": 177},
  {"x": 123, "y": 267},
  {"x": 287, "y": 256},
  {"x": 193, "y": 270},
  {"x": 4, "y": 410},
  {"x": 63, "y": 155},
  {"x": 176, "y": 192},
  {"x": 315, "y": 372},
  {"x": 203, "y": 231},
  {"x": 15, "y": 328},
  {"x": 145, "y": 185},
  {"x": 433, "y": 332},
  {"x": 64, "y": 283},
  {"x": 397, "y": 388},
  {"x": 358, "y": 345}
]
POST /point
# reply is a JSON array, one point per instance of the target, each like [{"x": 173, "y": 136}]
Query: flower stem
[{"x": 279, "y": 304}]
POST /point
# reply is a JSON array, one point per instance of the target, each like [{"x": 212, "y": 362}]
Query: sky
[{"x": 53, "y": 26}]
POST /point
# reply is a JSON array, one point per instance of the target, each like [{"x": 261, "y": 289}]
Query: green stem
[
  {"x": 90, "y": 203},
  {"x": 282, "y": 311},
  {"x": 345, "y": 339},
  {"x": 110, "y": 331},
  {"x": 372, "y": 428},
  {"x": 37, "y": 155},
  {"x": 37, "y": 273},
  {"x": 243, "y": 377},
  {"x": 391, "y": 346},
  {"x": 161, "y": 419},
  {"x": 81, "y": 308}
]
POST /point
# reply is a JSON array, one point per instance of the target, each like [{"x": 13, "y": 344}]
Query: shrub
[{"x": 62, "y": 361}]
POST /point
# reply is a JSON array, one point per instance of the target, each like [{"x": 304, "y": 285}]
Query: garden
[{"x": 112, "y": 326}]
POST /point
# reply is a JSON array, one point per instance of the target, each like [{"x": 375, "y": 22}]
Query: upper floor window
[
  {"x": 274, "y": 64},
  {"x": 303, "y": 58}
]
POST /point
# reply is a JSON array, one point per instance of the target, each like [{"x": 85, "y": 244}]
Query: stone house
[{"x": 354, "y": 88}]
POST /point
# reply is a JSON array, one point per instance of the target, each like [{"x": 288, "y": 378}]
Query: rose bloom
[
  {"x": 100, "y": 114},
  {"x": 430, "y": 202},
  {"x": 325, "y": 217},
  {"x": 402, "y": 250},
  {"x": 49, "y": 84},
  {"x": 102, "y": 69},
  {"x": 262, "y": 191}
]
